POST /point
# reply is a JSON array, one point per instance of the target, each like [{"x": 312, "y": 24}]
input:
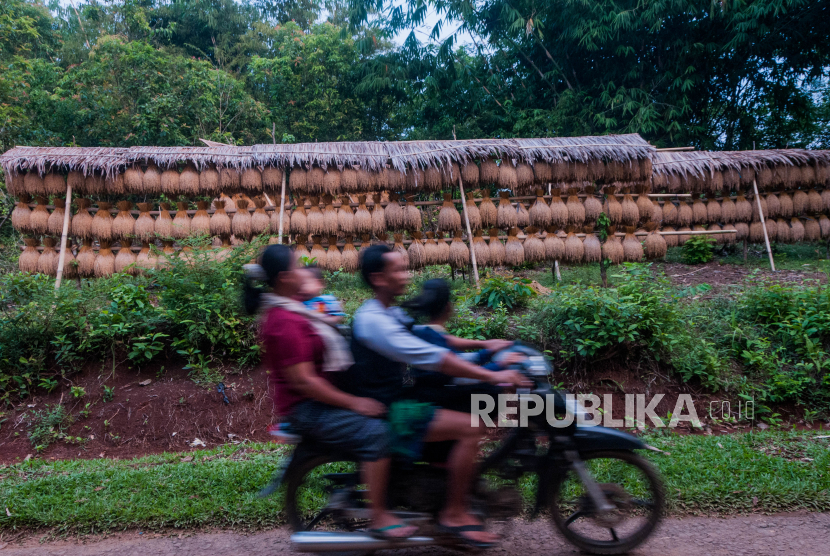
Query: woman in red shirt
[{"x": 300, "y": 350}]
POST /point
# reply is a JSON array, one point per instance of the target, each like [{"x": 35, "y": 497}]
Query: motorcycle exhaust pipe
[{"x": 324, "y": 541}]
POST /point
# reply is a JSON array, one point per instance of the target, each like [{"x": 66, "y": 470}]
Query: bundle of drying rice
[
  {"x": 579, "y": 172},
  {"x": 22, "y": 214},
  {"x": 576, "y": 210},
  {"x": 559, "y": 213},
  {"x": 16, "y": 184},
  {"x": 470, "y": 174},
  {"x": 394, "y": 213},
  {"x": 432, "y": 179},
  {"x": 144, "y": 227},
  {"x": 33, "y": 183},
  {"x": 413, "y": 220},
  {"x": 783, "y": 233},
  {"x": 220, "y": 222},
  {"x": 785, "y": 206},
  {"x": 449, "y": 219},
  {"x": 74, "y": 178},
  {"x": 272, "y": 179},
  {"x": 349, "y": 259},
  {"x": 507, "y": 176},
  {"x": 443, "y": 249},
  {"x": 260, "y": 221},
  {"x": 105, "y": 261},
  {"x": 125, "y": 260},
  {"x": 241, "y": 221},
  {"x": 473, "y": 214},
  {"x": 331, "y": 181},
  {"x": 314, "y": 218},
  {"x": 730, "y": 238},
  {"x": 133, "y": 180},
  {"x": 102, "y": 222},
  {"x": 229, "y": 179},
  {"x": 488, "y": 211},
  {"x": 773, "y": 206},
  {"x": 200, "y": 223},
  {"x": 671, "y": 240},
  {"x": 209, "y": 181},
  {"x": 300, "y": 247},
  {"x": 189, "y": 181},
  {"x": 54, "y": 225},
  {"x": 123, "y": 226},
  {"x": 593, "y": 206},
  {"x": 747, "y": 175},
  {"x": 540, "y": 212},
  {"x": 317, "y": 251},
  {"x": 742, "y": 231},
  {"x": 670, "y": 213},
  {"x": 717, "y": 238},
  {"x": 251, "y": 180},
  {"x": 700, "y": 215},
  {"x": 796, "y": 230},
  {"x": 681, "y": 239},
  {"x": 451, "y": 172},
  {"x": 655, "y": 245},
  {"x": 314, "y": 180},
  {"x": 824, "y": 224},
  {"x": 69, "y": 265},
  {"x": 416, "y": 252},
  {"x": 800, "y": 201},
  {"x": 86, "y": 259},
  {"x": 167, "y": 253},
  {"x": 728, "y": 211},
  {"x": 170, "y": 183},
  {"x": 399, "y": 248},
  {"x": 656, "y": 212},
  {"x": 613, "y": 208},
  {"x": 808, "y": 176},
  {"x": 533, "y": 246},
  {"x": 230, "y": 205},
  {"x": 181, "y": 222},
  {"x": 756, "y": 215},
  {"x": 554, "y": 246},
  {"x": 378, "y": 217},
  {"x": 348, "y": 180},
  {"x": 644, "y": 204},
  {"x": 151, "y": 180},
  {"x": 781, "y": 177},
  {"x": 431, "y": 250},
  {"x": 574, "y": 249},
  {"x": 814, "y": 202},
  {"x": 380, "y": 180},
  {"x": 743, "y": 208},
  {"x": 47, "y": 262},
  {"x": 334, "y": 259},
  {"x": 713, "y": 181},
  {"x": 345, "y": 216},
  {"x": 145, "y": 260},
  {"x": 55, "y": 184},
  {"x": 756, "y": 232},
  {"x": 27, "y": 261},
  {"x": 514, "y": 253},
  {"x": 299, "y": 222},
  {"x": 542, "y": 172},
  {"x": 489, "y": 171},
  {"x": 632, "y": 248},
  {"x": 764, "y": 177},
  {"x": 414, "y": 179},
  {"x": 685, "y": 215},
  {"x": 297, "y": 180},
  {"x": 39, "y": 217},
  {"x": 495, "y": 256},
  {"x": 630, "y": 212},
  {"x": 592, "y": 248},
  {"x": 362, "y": 219},
  {"x": 731, "y": 179},
  {"x": 825, "y": 200},
  {"x": 522, "y": 216},
  {"x": 524, "y": 177}
]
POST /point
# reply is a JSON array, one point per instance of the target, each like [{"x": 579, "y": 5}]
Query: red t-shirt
[{"x": 288, "y": 339}]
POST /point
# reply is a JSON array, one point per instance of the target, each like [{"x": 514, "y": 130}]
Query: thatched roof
[
  {"x": 701, "y": 163},
  {"x": 367, "y": 154}
]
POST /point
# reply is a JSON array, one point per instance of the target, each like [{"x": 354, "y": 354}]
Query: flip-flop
[
  {"x": 457, "y": 533},
  {"x": 381, "y": 532}
]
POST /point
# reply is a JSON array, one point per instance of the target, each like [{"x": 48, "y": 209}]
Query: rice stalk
[
  {"x": 800, "y": 202},
  {"x": 473, "y": 214},
  {"x": 413, "y": 220},
  {"x": 189, "y": 181},
  {"x": 488, "y": 211},
  {"x": 123, "y": 226},
  {"x": 655, "y": 245},
  {"x": 55, "y": 184},
  {"x": 574, "y": 249},
  {"x": 613, "y": 208},
  {"x": 534, "y": 247},
  {"x": 593, "y": 206},
  {"x": 125, "y": 260},
  {"x": 630, "y": 212},
  {"x": 297, "y": 181},
  {"x": 796, "y": 230},
  {"x": 22, "y": 214},
  {"x": 540, "y": 211},
  {"x": 522, "y": 216},
  {"x": 170, "y": 184},
  {"x": 260, "y": 221},
  {"x": 496, "y": 249},
  {"x": 592, "y": 248},
  {"x": 48, "y": 260},
  {"x": 449, "y": 219},
  {"x": 241, "y": 221},
  {"x": 416, "y": 252},
  {"x": 507, "y": 176},
  {"x": 558, "y": 210},
  {"x": 105, "y": 261}
]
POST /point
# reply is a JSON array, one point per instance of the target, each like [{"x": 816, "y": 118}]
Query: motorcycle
[{"x": 600, "y": 495}]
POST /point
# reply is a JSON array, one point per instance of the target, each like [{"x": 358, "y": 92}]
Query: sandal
[
  {"x": 382, "y": 532},
  {"x": 458, "y": 534}
]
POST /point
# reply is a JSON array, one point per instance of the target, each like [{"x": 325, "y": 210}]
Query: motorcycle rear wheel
[
  {"x": 629, "y": 482},
  {"x": 308, "y": 495}
]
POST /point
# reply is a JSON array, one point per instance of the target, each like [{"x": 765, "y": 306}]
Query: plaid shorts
[{"x": 342, "y": 431}]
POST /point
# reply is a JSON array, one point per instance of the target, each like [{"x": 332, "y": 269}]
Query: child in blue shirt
[{"x": 311, "y": 295}]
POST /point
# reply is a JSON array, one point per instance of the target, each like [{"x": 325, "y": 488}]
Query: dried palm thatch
[
  {"x": 713, "y": 211},
  {"x": 39, "y": 217},
  {"x": 55, "y": 184},
  {"x": 27, "y": 261},
  {"x": 592, "y": 247},
  {"x": 554, "y": 246},
  {"x": 559, "y": 213},
  {"x": 394, "y": 213},
  {"x": 260, "y": 221},
  {"x": 507, "y": 176},
  {"x": 800, "y": 202},
  {"x": 297, "y": 180},
  {"x": 473, "y": 214},
  {"x": 756, "y": 215},
  {"x": 449, "y": 219},
  {"x": 655, "y": 246},
  {"x": 593, "y": 206},
  {"x": 533, "y": 245},
  {"x": 496, "y": 253},
  {"x": 613, "y": 208},
  {"x": 630, "y": 212},
  {"x": 334, "y": 259},
  {"x": 540, "y": 211},
  {"x": 299, "y": 221},
  {"x": 700, "y": 215},
  {"x": 632, "y": 248},
  {"x": 399, "y": 248},
  {"x": 48, "y": 260},
  {"x": 105, "y": 261},
  {"x": 413, "y": 220},
  {"x": 824, "y": 224},
  {"x": 241, "y": 221},
  {"x": 814, "y": 202},
  {"x": 489, "y": 171},
  {"x": 574, "y": 249},
  {"x": 796, "y": 230},
  {"x": 416, "y": 252},
  {"x": 443, "y": 249},
  {"x": 514, "y": 253},
  {"x": 170, "y": 183},
  {"x": 102, "y": 222},
  {"x": 656, "y": 212},
  {"x": 488, "y": 211},
  {"x": 123, "y": 226},
  {"x": 345, "y": 216},
  {"x": 470, "y": 174},
  {"x": 317, "y": 251},
  {"x": 125, "y": 260},
  {"x": 315, "y": 219},
  {"x": 522, "y": 216},
  {"x": 812, "y": 230},
  {"x": 22, "y": 214},
  {"x": 54, "y": 225},
  {"x": 86, "y": 259}
]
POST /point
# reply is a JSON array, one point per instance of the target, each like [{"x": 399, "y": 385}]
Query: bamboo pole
[
  {"x": 763, "y": 225},
  {"x": 469, "y": 231},
  {"x": 66, "y": 214},
  {"x": 282, "y": 206}
]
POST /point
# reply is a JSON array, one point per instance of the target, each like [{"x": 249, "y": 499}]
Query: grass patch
[{"x": 770, "y": 472}]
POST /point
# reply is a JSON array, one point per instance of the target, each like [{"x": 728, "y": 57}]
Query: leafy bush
[
  {"x": 698, "y": 250},
  {"x": 497, "y": 291}
]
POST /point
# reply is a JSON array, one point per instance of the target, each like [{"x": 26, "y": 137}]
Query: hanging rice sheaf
[
  {"x": 825, "y": 200},
  {"x": 655, "y": 245},
  {"x": 200, "y": 223},
  {"x": 613, "y": 208},
  {"x": 55, "y": 184},
  {"x": 362, "y": 221},
  {"x": 260, "y": 221},
  {"x": 102, "y": 222},
  {"x": 315, "y": 219},
  {"x": 75, "y": 179},
  {"x": 728, "y": 211},
  {"x": 824, "y": 224},
  {"x": 70, "y": 266},
  {"x": 443, "y": 249},
  {"x": 554, "y": 246},
  {"x": 507, "y": 176},
  {"x": 297, "y": 180},
  {"x": 522, "y": 216},
  {"x": 656, "y": 212},
  {"x": 784, "y": 234},
  {"x": 671, "y": 240},
  {"x": 542, "y": 172},
  {"x": 54, "y": 225},
  {"x": 814, "y": 202},
  {"x": 459, "y": 256},
  {"x": 670, "y": 213},
  {"x": 413, "y": 220},
  {"x": 592, "y": 248},
  {"x": 451, "y": 172},
  {"x": 576, "y": 210},
  {"x": 299, "y": 222},
  {"x": 780, "y": 177},
  {"x": 27, "y": 261},
  {"x": 730, "y": 238},
  {"x": 473, "y": 214},
  {"x": 348, "y": 180},
  {"x": 394, "y": 213},
  {"x": 449, "y": 219},
  {"x": 717, "y": 238},
  {"x": 808, "y": 175},
  {"x": 524, "y": 177},
  {"x": 488, "y": 172},
  {"x": 145, "y": 260},
  {"x": 170, "y": 183},
  {"x": 81, "y": 225},
  {"x": 331, "y": 181},
  {"x": 432, "y": 179},
  {"x": 272, "y": 179},
  {"x": 514, "y": 253},
  {"x": 488, "y": 211},
  {"x": 241, "y": 221},
  {"x": 380, "y": 180},
  {"x": 349, "y": 258},
  {"x": 756, "y": 232},
  {"x": 747, "y": 176},
  {"x": 230, "y": 179},
  {"x": 431, "y": 249},
  {"x": 189, "y": 181},
  {"x": 470, "y": 174},
  {"x": 123, "y": 226},
  {"x": 22, "y": 214},
  {"x": 785, "y": 205},
  {"x": 700, "y": 215},
  {"x": 134, "y": 180},
  {"x": 796, "y": 230},
  {"x": 416, "y": 252},
  {"x": 209, "y": 181},
  {"x": 800, "y": 201},
  {"x": 764, "y": 177},
  {"x": 658, "y": 182},
  {"x": 681, "y": 239},
  {"x": 317, "y": 251},
  {"x": 630, "y": 212},
  {"x": 540, "y": 211},
  {"x": 743, "y": 231},
  {"x": 574, "y": 249},
  {"x": 632, "y": 248},
  {"x": 33, "y": 183},
  {"x": 685, "y": 215},
  {"x": 86, "y": 259},
  {"x": 644, "y": 204},
  {"x": 755, "y": 210},
  {"x": 300, "y": 247},
  {"x": 414, "y": 179},
  {"x": 220, "y": 222},
  {"x": 48, "y": 260},
  {"x": 105, "y": 261},
  {"x": 495, "y": 247},
  {"x": 39, "y": 217},
  {"x": 378, "y": 217},
  {"x": 181, "y": 222},
  {"x": 731, "y": 179},
  {"x": 593, "y": 206},
  {"x": 713, "y": 181},
  {"x": 558, "y": 210},
  {"x": 345, "y": 216},
  {"x": 743, "y": 208},
  {"x": 395, "y": 179},
  {"x": 399, "y": 248},
  {"x": 150, "y": 180},
  {"x": 167, "y": 253},
  {"x": 125, "y": 260},
  {"x": 612, "y": 249},
  {"x": 315, "y": 180},
  {"x": 16, "y": 185},
  {"x": 533, "y": 245},
  {"x": 579, "y": 172},
  {"x": 773, "y": 206},
  {"x": 334, "y": 259},
  {"x": 144, "y": 228}
]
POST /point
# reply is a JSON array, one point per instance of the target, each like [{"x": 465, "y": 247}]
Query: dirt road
[{"x": 783, "y": 535}]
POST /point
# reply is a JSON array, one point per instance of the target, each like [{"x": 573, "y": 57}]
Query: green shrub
[
  {"x": 698, "y": 250},
  {"x": 497, "y": 291}
]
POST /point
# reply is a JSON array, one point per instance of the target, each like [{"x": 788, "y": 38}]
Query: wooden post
[
  {"x": 469, "y": 232},
  {"x": 763, "y": 225},
  {"x": 67, "y": 211},
  {"x": 282, "y": 205},
  {"x": 746, "y": 247},
  {"x": 556, "y": 273}
]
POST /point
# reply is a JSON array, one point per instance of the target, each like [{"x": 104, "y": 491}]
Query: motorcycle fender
[{"x": 593, "y": 439}]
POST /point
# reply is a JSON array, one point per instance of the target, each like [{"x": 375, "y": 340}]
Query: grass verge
[{"x": 769, "y": 472}]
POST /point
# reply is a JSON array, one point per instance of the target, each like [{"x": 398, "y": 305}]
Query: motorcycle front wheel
[{"x": 629, "y": 483}]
